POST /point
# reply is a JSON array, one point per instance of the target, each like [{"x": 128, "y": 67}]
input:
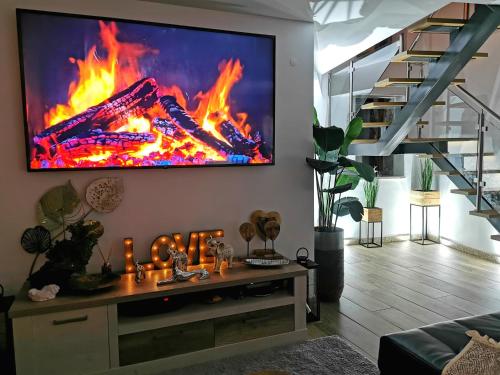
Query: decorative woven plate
[{"x": 257, "y": 262}]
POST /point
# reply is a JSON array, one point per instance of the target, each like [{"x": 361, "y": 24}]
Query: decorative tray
[
  {"x": 260, "y": 262},
  {"x": 91, "y": 283}
]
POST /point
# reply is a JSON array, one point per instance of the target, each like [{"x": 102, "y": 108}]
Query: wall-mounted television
[{"x": 102, "y": 93}]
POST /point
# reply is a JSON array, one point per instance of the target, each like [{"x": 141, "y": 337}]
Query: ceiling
[{"x": 298, "y": 10}]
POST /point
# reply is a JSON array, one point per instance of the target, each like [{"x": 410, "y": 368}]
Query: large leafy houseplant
[{"x": 335, "y": 174}]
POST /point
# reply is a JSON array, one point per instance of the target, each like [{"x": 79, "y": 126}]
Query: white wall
[
  {"x": 393, "y": 198},
  {"x": 462, "y": 228},
  {"x": 164, "y": 201}
]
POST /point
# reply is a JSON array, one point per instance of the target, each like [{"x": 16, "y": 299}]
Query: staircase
[{"x": 395, "y": 107}]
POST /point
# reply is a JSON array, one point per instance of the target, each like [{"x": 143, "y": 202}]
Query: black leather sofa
[{"x": 427, "y": 350}]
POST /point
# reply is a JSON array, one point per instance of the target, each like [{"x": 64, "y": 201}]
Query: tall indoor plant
[
  {"x": 425, "y": 196},
  {"x": 371, "y": 213},
  {"x": 335, "y": 175}
]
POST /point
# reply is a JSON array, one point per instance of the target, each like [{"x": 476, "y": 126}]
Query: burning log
[
  {"x": 186, "y": 122},
  {"x": 107, "y": 116},
  {"x": 123, "y": 140},
  {"x": 167, "y": 128},
  {"x": 264, "y": 148},
  {"x": 241, "y": 145}
]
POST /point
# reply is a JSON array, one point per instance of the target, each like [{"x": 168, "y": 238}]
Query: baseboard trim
[
  {"x": 443, "y": 240},
  {"x": 386, "y": 239},
  {"x": 470, "y": 250}
]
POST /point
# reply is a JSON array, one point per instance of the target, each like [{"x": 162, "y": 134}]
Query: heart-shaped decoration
[{"x": 259, "y": 218}]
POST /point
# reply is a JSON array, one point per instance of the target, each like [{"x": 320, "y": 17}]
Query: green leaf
[
  {"x": 59, "y": 201},
  {"x": 352, "y": 132},
  {"x": 349, "y": 205},
  {"x": 322, "y": 166},
  {"x": 315, "y": 118},
  {"x": 328, "y": 139},
  {"x": 349, "y": 177},
  {"x": 339, "y": 189},
  {"x": 364, "y": 170}
]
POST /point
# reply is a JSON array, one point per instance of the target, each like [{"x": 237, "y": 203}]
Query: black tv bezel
[{"x": 20, "y": 11}]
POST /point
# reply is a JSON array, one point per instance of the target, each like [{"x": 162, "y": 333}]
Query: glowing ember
[{"x": 145, "y": 134}]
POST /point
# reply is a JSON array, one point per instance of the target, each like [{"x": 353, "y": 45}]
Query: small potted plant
[
  {"x": 335, "y": 176},
  {"x": 371, "y": 213},
  {"x": 425, "y": 196}
]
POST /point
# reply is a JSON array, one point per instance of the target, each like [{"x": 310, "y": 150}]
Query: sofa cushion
[{"x": 481, "y": 356}]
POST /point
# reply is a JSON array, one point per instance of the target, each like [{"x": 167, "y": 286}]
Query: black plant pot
[{"x": 329, "y": 254}]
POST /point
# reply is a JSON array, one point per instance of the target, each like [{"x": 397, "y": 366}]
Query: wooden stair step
[
  {"x": 495, "y": 237},
  {"x": 437, "y": 25},
  {"x": 464, "y": 191},
  {"x": 474, "y": 154},
  {"x": 444, "y": 155},
  {"x": 430, "y": 140},
  {"x": 364, "y": 141},
  {"x": 424, "y": 56},
  {"x": 391, "y": 81},
  {"x": 489, "y": 214},
  {"x": 384, "y": 105},
  {"x": 447, "y": 173},
  {"x": 485, "y": 171},
  {"x": 473, "y": 191},
  {"x": 432, "y": 156},
  {"x": 381, "y": 124}
]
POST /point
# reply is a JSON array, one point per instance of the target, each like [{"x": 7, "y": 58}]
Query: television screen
[{"x": 108, "y": 93}]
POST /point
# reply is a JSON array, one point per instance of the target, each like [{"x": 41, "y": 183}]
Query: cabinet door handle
[{"x": 70, "y": 320}]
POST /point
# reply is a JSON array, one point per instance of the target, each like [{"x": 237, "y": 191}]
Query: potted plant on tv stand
[
  {"x": 425, "y": 196},
  {"x": 335, "y": 175},
  {"x": 371, "y": 213}
]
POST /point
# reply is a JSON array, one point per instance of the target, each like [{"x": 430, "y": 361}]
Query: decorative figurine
[
  {"x": 140, "y": 272},
  {"x": 179, "y": 269},
  {"x": 221, "y": 252},
  {"x": 247, "y": 231}
]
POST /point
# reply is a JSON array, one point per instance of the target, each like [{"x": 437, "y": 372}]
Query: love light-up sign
[{"x": 196, "y": 249}]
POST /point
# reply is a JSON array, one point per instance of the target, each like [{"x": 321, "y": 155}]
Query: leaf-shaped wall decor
[
  {"x": 59, "y": 201},
  {"x": 36, "y": 240},
  {"x": 104, "y": 195},
  {"x": 44, "y": 221}
]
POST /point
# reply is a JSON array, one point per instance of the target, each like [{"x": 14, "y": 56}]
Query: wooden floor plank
[
  {"x": 333, "y": 322},
  {"x": 400, "y": 319},
  {"x": 367, "y": 319},
  {"x": 403, "y": 286},
  {"x": 363, "y": 300}
]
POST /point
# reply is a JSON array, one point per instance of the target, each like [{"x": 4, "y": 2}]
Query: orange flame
[{"x": 100, "y": 78}]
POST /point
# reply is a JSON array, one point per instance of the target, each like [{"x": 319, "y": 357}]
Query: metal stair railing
[
  {"x": 464, "y": 45},
  {"x": 485, "y": 115}
]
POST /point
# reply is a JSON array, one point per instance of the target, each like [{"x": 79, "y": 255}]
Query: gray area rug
[{"x": 330, "y": 355}]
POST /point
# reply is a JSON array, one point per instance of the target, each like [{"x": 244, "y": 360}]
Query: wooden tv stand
[{"x": 87, "y": 334}]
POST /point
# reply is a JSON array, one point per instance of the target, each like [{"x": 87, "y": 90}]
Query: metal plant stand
[
  {"x": 424, "y": 239},
  {"x": 370, "y": 240}
]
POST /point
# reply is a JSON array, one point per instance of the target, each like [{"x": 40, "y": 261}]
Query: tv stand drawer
[{"x": 77, "y": 338}]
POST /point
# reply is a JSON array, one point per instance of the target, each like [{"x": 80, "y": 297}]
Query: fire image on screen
[{"x": 103, "y": 93}]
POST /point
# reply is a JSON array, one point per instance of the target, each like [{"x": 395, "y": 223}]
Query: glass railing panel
[{"x": 367, "y": 71}]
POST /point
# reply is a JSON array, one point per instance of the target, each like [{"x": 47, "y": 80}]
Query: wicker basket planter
[
  {"x": 372, "y": 215},
  {"x": 425, "y": 198}
]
